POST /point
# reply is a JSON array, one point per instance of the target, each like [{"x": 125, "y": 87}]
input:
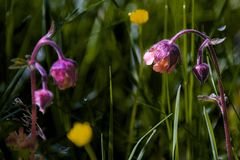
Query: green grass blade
[
  {"x": 150, "y": 131},
  {"x": 110, "y": 132},
  {"x": 102, "y": 147},
  {"x": 211, "y": 134},
  {"x": 211, "y": 76},
  {"x": 145, "y": 145},
  {"x": 10, "y": 88},
  {"x": 175, "y": 123},
  {"x": 90, "y": 55}
]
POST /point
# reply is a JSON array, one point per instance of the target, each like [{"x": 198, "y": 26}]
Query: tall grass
[
  {"x": 126, "y": 103},
  {"x": 175, "y": 154},
  {"x": 211, "y": 134}
]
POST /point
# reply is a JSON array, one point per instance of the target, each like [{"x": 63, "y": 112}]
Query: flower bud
[
  {"x": 201, "y": 71},
  {"x": 139, "y": 16},
  {"x": 64, "y": 73},
  {"x": 43, "y": 98},
  {"x": 164, "y": 55}
]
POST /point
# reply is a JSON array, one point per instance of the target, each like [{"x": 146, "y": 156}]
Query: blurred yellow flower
[
  {"x": 139, "y": 16},
  {"x": 80, "y": 134}
]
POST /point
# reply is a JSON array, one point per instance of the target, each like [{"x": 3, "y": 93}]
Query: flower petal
[
  {"x": 81, "y": 134},
  {"x": 139, "y": 16},
  {"x": 161, "y": 66},
  {"x": 64, "y": 73},
  {"x": 148, "y": 58}
]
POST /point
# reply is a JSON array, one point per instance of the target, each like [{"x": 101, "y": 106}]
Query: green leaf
[
  {"x": 18, "y": 63},
  {"x": 7, "y": 126},
  {"x": 175, "y": 124},
  {"x": 110, "y": 132},
  {"x": 211, "y": 135},
  {"x": 10, "y": 89},
  {"x": 216, "y": 41},
  {"x": 150, "y": 131},
  {"x": 222, "y": 28},
  {"x": 145, "y": 145}
]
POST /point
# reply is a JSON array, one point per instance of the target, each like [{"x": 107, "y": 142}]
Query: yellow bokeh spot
[
  {"x": 80, "y": 134},
  {"x": 138, "y": 16}
]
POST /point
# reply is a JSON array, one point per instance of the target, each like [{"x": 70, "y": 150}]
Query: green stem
[
  {"x": 132, "y": 123},
  {"x": 165, "y": 87},
  {"x": 135, "y": 104},
  {"x": 141, "y": 52},
  {"x": 90, "y": 152},
  {"x": 110, "y": 132}
]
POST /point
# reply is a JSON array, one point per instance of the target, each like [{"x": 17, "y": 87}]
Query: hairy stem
[
  {"x": 223, "y": 104},
  {"x": 200, "y": 51},
  {"x": 220, "y": 85},
  {"x": 182, "y": 32},
  {"x": 46, "y": 41},
  {"x": 43, "y": 73},
  {"x": 34, "y": 108}
]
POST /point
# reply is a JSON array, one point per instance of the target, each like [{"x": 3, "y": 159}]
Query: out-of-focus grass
[
  {"x": 211, "y": 134},
  {"x": 97, "y": 34}
]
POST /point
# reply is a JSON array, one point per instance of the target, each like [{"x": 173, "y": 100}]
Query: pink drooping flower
[
  {"x": 164, "y": 56},
  {"x": 43, "y": 98},
  {"x": 64, "y": 73}
]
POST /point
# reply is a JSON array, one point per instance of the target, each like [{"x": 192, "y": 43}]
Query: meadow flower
[
  {"x": 139, "y": 16},
  {"x": 201, "y": 71},
  {"x": 80, "y": 134},
  {"x": 64, "y": 73},
  {"x": 43, "y": 98},
  {"x": 164, "y": 55}
]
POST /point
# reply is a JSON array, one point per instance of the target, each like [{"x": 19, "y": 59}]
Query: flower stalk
[
  {"x": 63, "y": 71},
  {"x": 43, "y": 73},
  {"x": 200, "y": 70},
  {"x": 222, "y": 105},
  {"x": 34, "y": 108}
]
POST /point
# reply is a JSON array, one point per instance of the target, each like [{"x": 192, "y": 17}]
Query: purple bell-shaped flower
[
  {"x": 164, "y": 55},
  {"x": 43, "y": 98},
  {"x": 64, "y": 73}
]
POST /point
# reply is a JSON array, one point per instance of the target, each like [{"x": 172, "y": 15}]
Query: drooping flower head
[
  {"x": 201, "y": 71},
  {"x": 139, "y": 16},
  {"x": 43, "y": 98},
  {"x": 164, "y": 56},
  {"x": 64, "y": 73},
  {"x": 80, "y": 134}
]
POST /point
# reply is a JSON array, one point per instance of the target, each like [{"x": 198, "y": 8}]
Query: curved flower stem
[
  {"x": 179, "y": 34},
  {"x": 223, "y": 104},
  {"x": 45, "y": 40},
  {"x": 200, "y": 51},
  {"x": 220, "y": 85},
  {"x": 43, "y": 73}
]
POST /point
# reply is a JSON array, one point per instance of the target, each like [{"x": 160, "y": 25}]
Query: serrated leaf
[
  {"x": 222, "y": 28},
  {"x": 17, "y": 66},
  {"x": 216, "y": 41},
  {"x": 18, "y": 60},
  {"x": 205, "y": 98},
  {"x": 18, "y": 63}
]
